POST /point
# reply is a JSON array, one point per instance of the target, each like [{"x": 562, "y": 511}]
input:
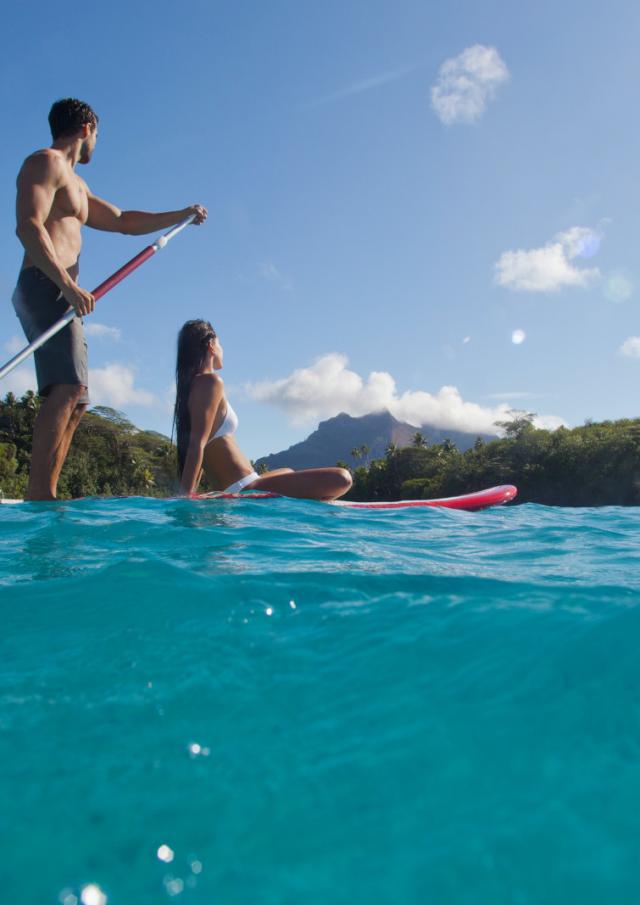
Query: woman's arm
[{"x": 204, "y": 400}]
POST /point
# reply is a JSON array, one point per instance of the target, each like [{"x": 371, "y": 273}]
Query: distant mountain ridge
[{"x": 336, "y": 437}]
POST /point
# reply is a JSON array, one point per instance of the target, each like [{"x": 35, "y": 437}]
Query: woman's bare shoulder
[{"x": 206, "y": 387}]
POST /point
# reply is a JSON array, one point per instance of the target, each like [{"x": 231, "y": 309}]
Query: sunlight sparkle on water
[
  {"x": 93, "y": 895},
  {"x": 165, "y": 854},
  {"x": 68, "y": 897},
  {"x": 196, "y": 750},
  {"x": 174, "y": 885}
]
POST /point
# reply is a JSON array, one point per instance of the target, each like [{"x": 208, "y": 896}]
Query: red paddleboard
[{"x": 482, "y": 499}]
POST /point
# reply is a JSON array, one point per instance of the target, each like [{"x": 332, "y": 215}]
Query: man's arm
[
  {"x": 38, "y": 181},
  {"x": 106, "y": 216}
]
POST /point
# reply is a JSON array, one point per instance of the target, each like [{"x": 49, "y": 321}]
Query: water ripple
[{"x": 402, "y": 706}]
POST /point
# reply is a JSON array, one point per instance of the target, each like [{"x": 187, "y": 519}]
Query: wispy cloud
[
  {"x": 631, "y": 347},
  {"x": 269, "y": 272},
  {"x": 363, "y": 85},
  {"x": 14, "y": 345},
  {"x": 328, "y": 387},
  {"x": 466, "y": 83},
  {"x": 20, "y": 379},
  {"x": 551, "y": 267},
  {"x": 102, "y": 331},
  {"x": 513, "y": 396}
]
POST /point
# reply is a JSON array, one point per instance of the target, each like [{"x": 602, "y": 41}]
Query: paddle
[{"x": 97, "y": 293}]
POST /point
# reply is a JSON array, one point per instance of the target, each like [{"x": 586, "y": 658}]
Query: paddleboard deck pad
[{"x": 471, "y": 502}]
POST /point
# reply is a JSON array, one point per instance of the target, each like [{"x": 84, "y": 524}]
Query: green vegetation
[
  {"x": 109, "y": 456},
  {"x": 361, "y": 452},
  {"x": 593, "y": 465}
]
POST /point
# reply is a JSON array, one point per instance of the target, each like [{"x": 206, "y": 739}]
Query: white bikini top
[{"x": 228, "y": 426}]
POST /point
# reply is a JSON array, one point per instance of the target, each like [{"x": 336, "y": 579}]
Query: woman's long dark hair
[{"x": 193, "y": 341}]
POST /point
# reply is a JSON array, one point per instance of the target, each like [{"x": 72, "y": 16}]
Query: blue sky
[{"x": 396, "y": 192}]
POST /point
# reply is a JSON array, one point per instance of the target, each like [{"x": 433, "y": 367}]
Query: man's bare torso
[{"x": 69, "y": 212}]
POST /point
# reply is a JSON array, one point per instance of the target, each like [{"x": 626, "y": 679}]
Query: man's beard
[{"x": 85, "y": 153}]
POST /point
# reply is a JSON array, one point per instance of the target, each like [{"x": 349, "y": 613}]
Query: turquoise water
[{"x": 313, "y": 705}]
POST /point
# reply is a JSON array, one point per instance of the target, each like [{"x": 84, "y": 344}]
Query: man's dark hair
[{"x": 68, "y": 116}]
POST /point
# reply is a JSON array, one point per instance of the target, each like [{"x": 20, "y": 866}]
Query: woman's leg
[{"x": 308, "y": 484}]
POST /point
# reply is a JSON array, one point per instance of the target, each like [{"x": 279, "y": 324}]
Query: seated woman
[{"x": 205, "y": 425}]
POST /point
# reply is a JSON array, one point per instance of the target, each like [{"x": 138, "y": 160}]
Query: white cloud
[
  {"x": 580, "y": 242},
  {"x": 631, "y": 347},
  {"x": 328, "y": 387},
  {"x": 19, "y": 381},
  {"x": 168, "y": 400},
  {"x": 102, "y": 331},
  {"x": 113, "y": 385},
  {"x": 549, "y": 268},
  {"x": 466, "y": 82}
]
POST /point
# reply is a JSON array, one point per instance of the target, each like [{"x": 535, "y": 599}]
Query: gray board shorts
[{"x": 63, "y": 358}]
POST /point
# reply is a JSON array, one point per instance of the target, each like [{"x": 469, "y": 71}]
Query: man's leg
[
  {"x": 63, "y": 449},
  {"x": 52, "y": 432}
]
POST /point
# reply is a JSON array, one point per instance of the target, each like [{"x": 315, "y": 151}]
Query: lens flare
[
  {"x": 617, "y": 287},
  {"x": 518, "y": 337},
  {"x": 587, "y": 244}
]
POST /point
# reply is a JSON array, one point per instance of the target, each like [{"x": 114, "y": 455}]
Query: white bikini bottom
[{"x": 242, "y": 483}]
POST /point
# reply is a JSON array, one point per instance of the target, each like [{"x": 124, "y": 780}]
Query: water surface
[{"x": 313, "y": 705}]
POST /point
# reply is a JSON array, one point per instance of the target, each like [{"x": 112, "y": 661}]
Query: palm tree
[
  {"x": 360, "y": 452},
  {"x": 519, "y": 423}
]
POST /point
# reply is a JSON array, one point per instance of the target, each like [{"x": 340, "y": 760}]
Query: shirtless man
[{"x": 53, "y": 204}]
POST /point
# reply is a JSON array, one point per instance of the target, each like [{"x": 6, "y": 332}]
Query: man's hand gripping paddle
[{"x": 98, "y": 292}]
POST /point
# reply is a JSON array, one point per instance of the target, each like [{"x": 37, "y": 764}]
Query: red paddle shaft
[{"x": 97, "y": 293}]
